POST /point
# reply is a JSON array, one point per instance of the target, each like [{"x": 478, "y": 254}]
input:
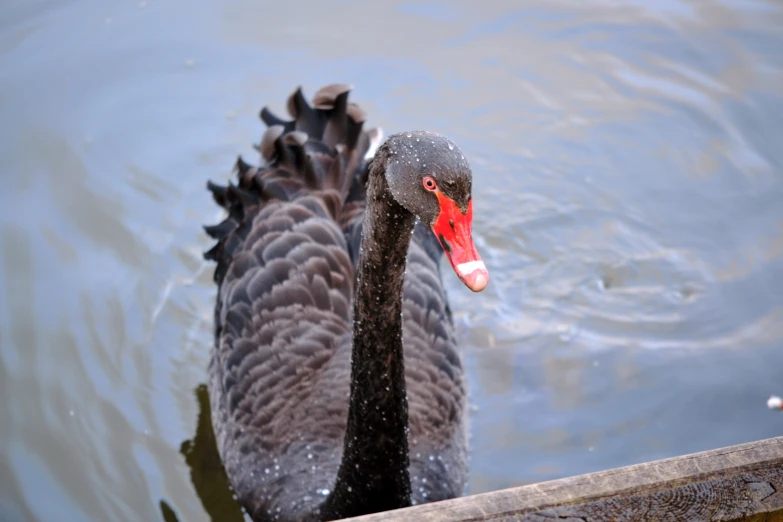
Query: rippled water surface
[{"x": 628, "y": 201}]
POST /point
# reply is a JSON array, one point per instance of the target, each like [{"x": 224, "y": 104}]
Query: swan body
[{"x": 335, "y": 382}]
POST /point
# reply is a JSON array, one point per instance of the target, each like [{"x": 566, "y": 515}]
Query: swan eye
[{"x": 429, "y": 184}]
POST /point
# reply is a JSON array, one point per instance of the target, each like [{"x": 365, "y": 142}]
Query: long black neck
[{"x": 373, "y": 475}]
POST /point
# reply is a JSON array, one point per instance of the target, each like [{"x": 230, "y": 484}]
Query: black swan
[{"x": 335, "y": 382}]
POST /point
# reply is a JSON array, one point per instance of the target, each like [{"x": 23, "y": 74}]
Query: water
[{"x": 628, "y": 186}]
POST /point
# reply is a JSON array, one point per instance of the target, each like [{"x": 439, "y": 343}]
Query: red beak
[{"x": 453, "y": 230}]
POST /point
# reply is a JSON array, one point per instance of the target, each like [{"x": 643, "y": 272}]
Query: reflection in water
[
  {"x": 168, "y": 514},
  {"x": 206, "y": 470}
]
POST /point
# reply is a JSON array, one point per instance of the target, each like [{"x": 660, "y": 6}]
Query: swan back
[{"x": 279, "y": 375}]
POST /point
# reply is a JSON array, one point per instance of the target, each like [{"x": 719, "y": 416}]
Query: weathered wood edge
[{"x": 743, "y": 482}]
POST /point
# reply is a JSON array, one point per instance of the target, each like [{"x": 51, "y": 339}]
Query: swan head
[{"x": 429, "y": 176}]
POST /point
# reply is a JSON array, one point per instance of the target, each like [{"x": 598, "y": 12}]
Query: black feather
[{"x": 286, "y": 268}]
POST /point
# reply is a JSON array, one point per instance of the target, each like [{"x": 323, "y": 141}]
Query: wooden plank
[{"x": 736, "y": 483}]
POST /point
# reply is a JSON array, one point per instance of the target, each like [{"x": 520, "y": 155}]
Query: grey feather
[{"x": 280, "y": 370}]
